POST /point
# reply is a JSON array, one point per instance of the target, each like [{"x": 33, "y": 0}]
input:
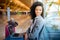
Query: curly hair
[{"x": 32, "y": 9}]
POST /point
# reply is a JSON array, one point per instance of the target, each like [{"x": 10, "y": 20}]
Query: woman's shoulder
[{"x": 39, "y": 18}]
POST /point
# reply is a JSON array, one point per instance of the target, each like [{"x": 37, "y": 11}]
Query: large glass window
[{"x": 52, "y": 13}]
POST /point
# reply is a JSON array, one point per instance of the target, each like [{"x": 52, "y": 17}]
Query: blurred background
[{"x": 19, "y": 10}]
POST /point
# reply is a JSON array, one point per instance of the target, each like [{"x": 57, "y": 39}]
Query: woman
[{"x": 34, "y": 31}]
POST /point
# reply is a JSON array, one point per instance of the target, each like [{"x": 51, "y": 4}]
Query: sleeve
[{"x": 28, "y": 31}]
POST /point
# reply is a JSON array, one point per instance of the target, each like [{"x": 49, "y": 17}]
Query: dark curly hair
[{"x": 32, "y": 9}]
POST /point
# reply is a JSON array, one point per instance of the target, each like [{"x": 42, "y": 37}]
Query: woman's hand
[{"x": 26, "y": 36}]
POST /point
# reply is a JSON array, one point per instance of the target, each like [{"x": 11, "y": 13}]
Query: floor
[{"x": 23, "y": 24}]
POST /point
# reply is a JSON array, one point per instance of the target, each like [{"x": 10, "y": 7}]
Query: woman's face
[{"x": 38, "y": 10}]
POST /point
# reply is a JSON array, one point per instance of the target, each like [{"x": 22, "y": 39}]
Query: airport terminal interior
[{"x": 19, "y": 10}]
